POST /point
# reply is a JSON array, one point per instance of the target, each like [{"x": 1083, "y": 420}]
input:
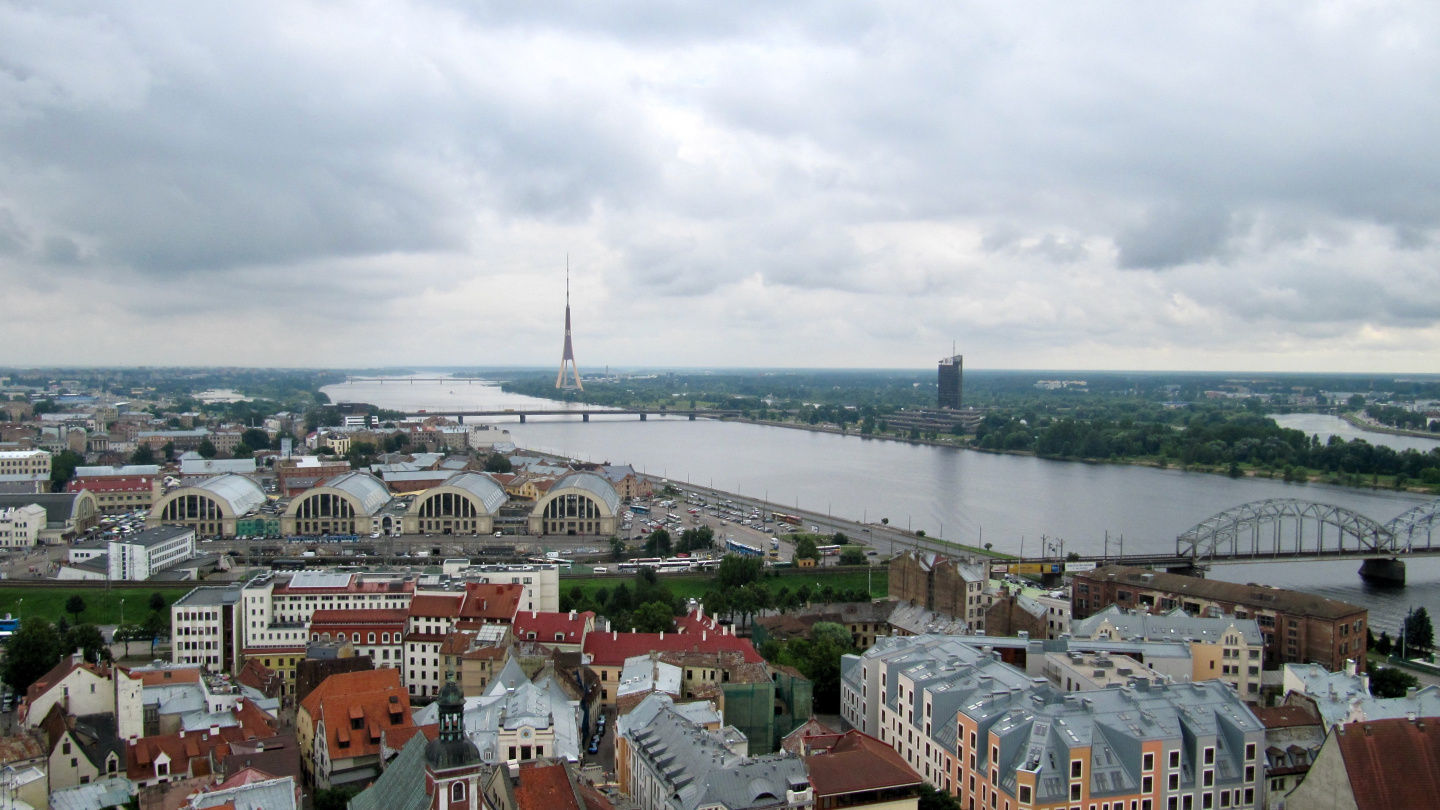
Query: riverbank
[{"x": 1360, "y": 423}]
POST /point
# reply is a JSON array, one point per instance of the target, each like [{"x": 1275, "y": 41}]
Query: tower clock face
[{"x": 524, "y": 733}]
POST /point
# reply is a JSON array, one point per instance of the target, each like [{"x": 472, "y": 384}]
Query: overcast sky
[{"x": 1050, "y": 185}]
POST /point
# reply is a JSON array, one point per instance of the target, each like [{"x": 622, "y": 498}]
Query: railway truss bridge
[{"x": 1291, "y": 530}]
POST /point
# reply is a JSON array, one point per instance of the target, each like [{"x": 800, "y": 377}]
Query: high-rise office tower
[{"x": 952, "y": 381}]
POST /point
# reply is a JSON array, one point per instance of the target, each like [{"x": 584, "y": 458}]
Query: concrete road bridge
[{"x": 1288, "y": 530}]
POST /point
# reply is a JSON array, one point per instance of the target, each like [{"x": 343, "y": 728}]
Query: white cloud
[{"x": 1116, "y": 185}]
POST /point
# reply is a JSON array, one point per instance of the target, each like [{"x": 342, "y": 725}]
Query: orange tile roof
[
  {"x": 372, "y": 712},
  {"x": 188, "y": 752},
  {"x": 352, "y": 683},
  {"x": 492, "y": 602},
  {"x": 544, "y": 787},
  {"x": 856, "y": 763}
]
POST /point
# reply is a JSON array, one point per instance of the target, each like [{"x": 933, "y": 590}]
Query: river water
[
  {"x": 1325, "y": 426},
  {"x": 964, "y": 496}
]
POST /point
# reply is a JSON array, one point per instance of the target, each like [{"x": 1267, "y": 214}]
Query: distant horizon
[{"x": 399, "y": 371}]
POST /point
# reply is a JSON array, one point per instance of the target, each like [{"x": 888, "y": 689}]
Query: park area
[{"x": 102, "y": 607}]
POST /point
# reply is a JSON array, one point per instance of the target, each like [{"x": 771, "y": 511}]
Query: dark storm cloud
[{"x": 863, "y": 178}]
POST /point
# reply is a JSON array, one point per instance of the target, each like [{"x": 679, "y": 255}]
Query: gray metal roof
[
  {"x": 483, "y": 487},
  {"x": 591, "y": 483},
  {"x": 273, "y": 794},
  {"x": 242, "y": 494},
  {"x": 59, "y": 506},
  {"x": 366, "y": 489},
  {"x": 401, "y": 785},
  {"x": 156, "y": 536},
  {"x": 1175, "y": 626}
]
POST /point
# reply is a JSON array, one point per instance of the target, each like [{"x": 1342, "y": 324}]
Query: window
[
  {"x": 1174, "y": 759},
  {"x": 1149, "y": 764},
  {"x": 1076, "y": 768},
  {"x": 1209, "y": 756},
  {"x": 1147, "y": 784},
  {"x": 1075, "y": 792},
  {"x": 457, "y": 791},
  {"x": 1024, "y": 794},
  {"x": 1249, "y": 752}
]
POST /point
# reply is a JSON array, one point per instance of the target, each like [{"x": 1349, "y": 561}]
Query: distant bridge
[
  {"x": 584, "y": 415},
  {"x": 1288, "y": 530}
]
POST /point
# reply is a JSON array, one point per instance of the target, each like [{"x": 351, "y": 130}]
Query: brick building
[
  {"x": 941, "y": 584},
  {"x": 1297, "y": 627},
  {"x": 1012, "y": 613}
]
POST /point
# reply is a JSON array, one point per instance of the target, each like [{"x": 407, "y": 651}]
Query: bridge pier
[
  {"x": 642, "y": 417},
  {"x": 1383, "y": 571},
  {"x": 692, "y": 416},
  {"x": 1186, "y": 569},
  {"x": 584, "y": 417},
  {"x": 460, "y": 417},
  {"x": 522, "y": 418}
]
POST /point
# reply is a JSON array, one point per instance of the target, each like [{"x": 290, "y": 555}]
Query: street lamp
[{"x": 122, "y": 611}]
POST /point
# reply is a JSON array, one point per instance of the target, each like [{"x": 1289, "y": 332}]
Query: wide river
[{"x": 965, "y": 496}]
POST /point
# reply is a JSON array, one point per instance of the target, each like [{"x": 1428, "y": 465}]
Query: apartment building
[
  {"x": 30, "y": 468},
  {"x": 993, "y": 737},
  {"x": 378, "y": 633},
  {"x": 120, "y": 489},
  {"x": 20, "y": 526},
  {"x": 144, "y": 554},
  {"x": 941, "y": 584},
  {"x": 1295, "y": 627},
  {"x": 1222, "y": 647},
  {"x": 206, "y": 626}
]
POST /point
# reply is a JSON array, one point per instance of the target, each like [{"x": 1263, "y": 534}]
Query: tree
[
  {"x": 736, "y": 571},
  {"x": 839, "y": 539},
  {"x": 156, "y": 627},
  {"x": 157, "y": 601},
  {"x": 168, "y": 451},
  {"x": 852, "y": 555},
  {"x": 206, "y": 448},
  {"x": 617, "y": 549},
  {"x": 75, "y": 605},
  {"x": 144, "y": 454},
  {"x": 1389, "y": 682},
  {"x": 62, "y": 468},
  {"x": 126, "y": 633},
  {"x": 919, "y": 532},
  {"x": 805, "y": 549},
  {"x": 653, "y": 617},
  {"x": 930, "y": 799},
  {"x": 337, "y": 798},
  {"x": 657, "y": 544},
  {"x": 1416, "y": 634},
  {"x": 32, "y": 651},
  {"x": 242, "y": 450},
  {"x": 88, "y": 639},
  {"x": 1383, "y": 645},
  {"x": 255, "y": 439},
  {"x": 497, "y": 463},
  {"x": 884, "y": 521}
]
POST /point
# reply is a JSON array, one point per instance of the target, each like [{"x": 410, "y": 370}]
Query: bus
[
  {"x": 828, "y": 551},
  {"x": 737, "y": 547},
  {"x": 781, "y": 517},
  {"x": 639, "y": 510}
]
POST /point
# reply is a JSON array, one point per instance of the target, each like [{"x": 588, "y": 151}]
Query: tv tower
[{"x": 569, "y": 355}]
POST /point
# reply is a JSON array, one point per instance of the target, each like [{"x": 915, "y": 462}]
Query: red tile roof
[
  {"x": 169, "y": 675},
  {"x": 696, "y": 622},
  {"x": 544, "y": 787},
  {"x": 108, "y": 484},
  {"x": 1392, "y": 763},
  {"x": 569, "y": 627},
  {"x": 1291, "y": 716},
  {"x": 366, "y": 616},
  {"x": 611, "y": 649},
  {"x": 855, "y": 763},
  {"x": 491, "y": 603},
  {"x": 445, "y": 606},
  {"x": 61, "y": 670},
  {"x": 188, "y": 752}
]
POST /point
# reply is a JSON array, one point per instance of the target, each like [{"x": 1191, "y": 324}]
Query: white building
[
  {"x": 205, "y": 628},
  {"x": 541, "y": 583},
  {"x": 85, "y": 689},
  {"x": 25, "y": 467},
  {"x": 147, "y": 553},
  {"x": 517, "y": 720},
  {"x": 20, "y": 526}
]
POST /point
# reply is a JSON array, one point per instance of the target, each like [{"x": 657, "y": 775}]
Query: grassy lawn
[
  {"x": 101, "y": 606},
  {"x": 688, "y": 585}
]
